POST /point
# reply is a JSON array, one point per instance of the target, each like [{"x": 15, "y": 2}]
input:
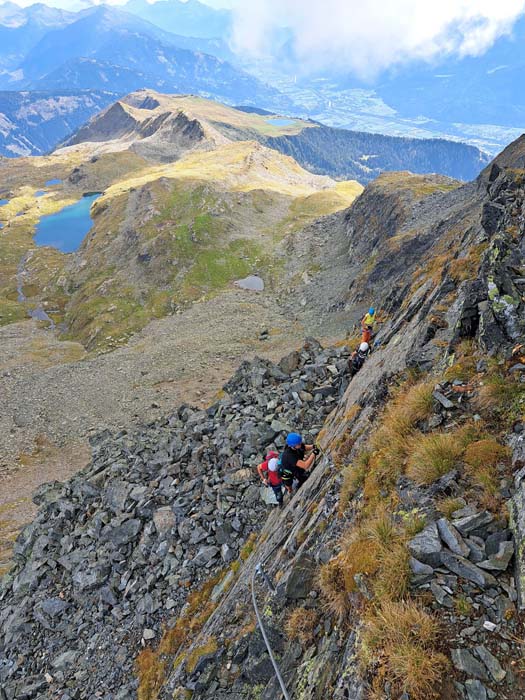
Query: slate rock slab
[
  {"x": 300, "y": 581},
  {"x": 501, "y": 560},
  {"x": 491, "y": 662},
  {"x": 517, "y": 526},
  {"x": 473, "y": 522},
  {"x": 426, "y": 546},
  {"x": 464, "y": 661},
  {"x": 464, "y": 568},
  {"x": 452, "y": 538}
]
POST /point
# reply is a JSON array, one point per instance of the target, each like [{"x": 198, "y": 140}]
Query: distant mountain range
[
  {"x": 183, "y": 47},
  {"x": 192, "y": 18},
  {"x": 39, "y": 121},
  {"x": 167, "y": 122},
  {"x": 32, "y": 123},
  {"x": 105, "y": 48}
]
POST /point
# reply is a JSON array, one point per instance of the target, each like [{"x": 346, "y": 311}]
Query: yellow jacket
[{"x": 368, "y": 320}]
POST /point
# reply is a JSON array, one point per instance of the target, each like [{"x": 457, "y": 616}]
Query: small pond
[
  {"x": 278, "y": 121},
  {"x": 56, "y": 181},
  {"x": 66, "y": 228},
  {"x": 253, "y": 282},
  {"x": 40, "y": 193},
  {"x": 3, "y": 202}
]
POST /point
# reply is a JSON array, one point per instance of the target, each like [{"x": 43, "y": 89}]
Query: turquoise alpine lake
[
  {"x": 281, "y": 122},
  {"x": 66, "y": 228}
]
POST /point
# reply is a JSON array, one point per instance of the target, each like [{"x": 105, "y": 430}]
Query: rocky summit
[{"x": 397, "y": 570}]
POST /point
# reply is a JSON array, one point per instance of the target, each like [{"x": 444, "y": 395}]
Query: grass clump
[
  {"x": 353, "y": 479},
  {"x": 501, "y": 396},
  {"x": 464, "y": 362},
  {"x": 301, "y": 624},
  {"x": 462, "y": 606},
  {"x": 374, "y": 553},
  {"x": 209, "y": 647},
  {"x": 450, "y": 505},
  {"x": 400, "y": 640},
  {"x": 481, "y": 461},
  {"x": 331, "y": 581},
  {"x": 433, "y": 456},
  {"x": 390, "y": 446}
]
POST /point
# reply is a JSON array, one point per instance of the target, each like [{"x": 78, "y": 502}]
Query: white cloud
[{"x": 366, "y": 36}]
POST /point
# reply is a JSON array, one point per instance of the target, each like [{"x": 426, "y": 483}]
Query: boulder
[
  {"x": 473, "y": 522},
  {"x": 464, "y": 661},
  {"x": 421, "y": 573},
  {"x": 464, "y": 568},
  {"x": 452, "y": 538},
  {"x": 165, "y": 520},
  {"x": 500, "y": 560},
  {"x": 426, "y": 546},
  {"x": 300, "y": 581},
  {"x": 205, "y": 555},
  {"x": 475, "y": 690},
  {"x": 122, "y": 534},
  {"x": 491, "y": 662}
]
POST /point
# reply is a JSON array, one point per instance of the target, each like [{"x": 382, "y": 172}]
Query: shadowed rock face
[{"x": 458, "y": 281}]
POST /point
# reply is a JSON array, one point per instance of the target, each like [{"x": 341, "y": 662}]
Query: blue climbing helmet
[
  {"x": 294, "y": 440},
  {"x": 371, "y": 311}
]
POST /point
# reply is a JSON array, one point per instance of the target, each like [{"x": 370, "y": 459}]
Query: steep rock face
[
  {"x": 113, "y": 123},
  {"x": 290, "y": 546}
]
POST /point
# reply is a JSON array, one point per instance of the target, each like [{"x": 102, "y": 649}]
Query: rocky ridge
[{"x": 464, "y": 289}]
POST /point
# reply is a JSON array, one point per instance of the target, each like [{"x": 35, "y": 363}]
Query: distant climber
[
  {"x": 293, "y": 465},
  {"x": 358, "y": 357},
  {"x": 270, "y": 476},
  {"x": 367, "y": 325}
]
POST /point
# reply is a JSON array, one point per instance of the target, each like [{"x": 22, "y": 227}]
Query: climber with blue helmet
[
  {"x": 293, "y": 464},
  {"x": 367, "y": 325}
]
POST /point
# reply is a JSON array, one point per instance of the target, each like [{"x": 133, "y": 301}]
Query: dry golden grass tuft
[
  {"x": 301, "y": 624},
  {"x": 481, "y": 461},
  {"x": 432, "y": 456},
  {"x": 390, "y": 445},
  {"x": 449, "y": 505},
  {"x": 403, "y": 637},
  {"x": 353, "y": 479},
  {"x": 465, "y": 268},
  {"x": 501, "y": 394},
  {"x": 393, "y": 577},
  {"x": 376, "y": 550},
  {"x": 464, "y": 362},
  {"x": 331, "y": 581},
  {"x": 485, "y": 453}
]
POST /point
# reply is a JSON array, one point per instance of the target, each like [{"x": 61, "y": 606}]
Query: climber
[
  {"x": 358, "y": 357},
  {"x": 293, "y": 465},
  {"x": 367, "y": 325},
  {"x": 269, "y": 473}
]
